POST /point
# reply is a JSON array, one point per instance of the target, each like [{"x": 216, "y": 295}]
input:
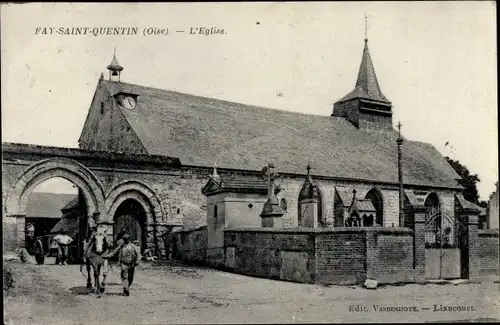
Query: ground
[{"x": 174, "y": 293}]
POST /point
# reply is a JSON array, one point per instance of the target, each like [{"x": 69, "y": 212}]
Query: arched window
[
  {"x": 310, "y": 191},
  {"x": 215, "y": 212},
  {"x": 375, "y": 197},
  {"x": 283, "y": 204}
]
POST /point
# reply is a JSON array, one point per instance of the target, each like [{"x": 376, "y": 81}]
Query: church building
[{"x": 347, "y": 161}]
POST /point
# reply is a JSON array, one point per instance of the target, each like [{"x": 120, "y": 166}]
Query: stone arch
[
  {"x": 41, "y": 171},
  {"x": 301, "y": 195},
  {"x": 139, "y": 192},
  {"x": 377, "y": 198}
]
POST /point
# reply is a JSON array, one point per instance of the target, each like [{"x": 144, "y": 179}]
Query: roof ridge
[{"x": 220, "y": 100}]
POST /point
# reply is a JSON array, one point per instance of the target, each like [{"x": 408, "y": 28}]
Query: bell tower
[
  {"x": 115, "y": 69},
  {"x": 365, "y": 106}
]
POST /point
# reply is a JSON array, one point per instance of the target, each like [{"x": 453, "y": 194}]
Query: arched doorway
[
  {"x": 131, "y": 218},
  {"x": 375, "y": 197},
  {"x": 432, "y": 219}
]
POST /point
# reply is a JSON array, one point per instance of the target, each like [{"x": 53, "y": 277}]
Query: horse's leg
[{"x": 89, "y": 281}]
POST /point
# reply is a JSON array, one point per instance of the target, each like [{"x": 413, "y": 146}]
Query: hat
[{"x": 126, "y": 236}]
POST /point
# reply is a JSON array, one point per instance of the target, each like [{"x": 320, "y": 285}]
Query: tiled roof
[
  {"x": 364, "y": 205},
  {"x": 345, "y": 195},
  {"x": 201, "y": 131},
  {"x": 71, "y": 204},
  {"x": 46, "y": 205},
  {"x": 70, "y": 225},
  {"x": 221, "y": 184},
  {"x": 466, "y": 204}
]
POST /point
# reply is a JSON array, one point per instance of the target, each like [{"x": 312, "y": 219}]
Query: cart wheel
[{"x": 40, "y": 259}]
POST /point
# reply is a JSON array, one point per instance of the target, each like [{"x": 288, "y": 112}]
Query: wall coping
[
  {"x": 326, "y": 230},
  {"x": 488, "y": 232},
  {"x": 52, "y": 152},
  {"x": 184, "y": 231}
]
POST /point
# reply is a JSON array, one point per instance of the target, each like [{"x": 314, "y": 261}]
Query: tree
[{"x": 468, "y": 181}]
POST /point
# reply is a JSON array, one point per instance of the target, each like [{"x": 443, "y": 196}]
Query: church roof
[
  {"x": 201, "y": 131},
  {"x": 367, "y": 86}
]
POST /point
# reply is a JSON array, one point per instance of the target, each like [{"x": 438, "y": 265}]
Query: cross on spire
[
  {"x": 399, "y": 128},
  {"x": 366, "y": 28},
  {"x": 214, "y": 175}
]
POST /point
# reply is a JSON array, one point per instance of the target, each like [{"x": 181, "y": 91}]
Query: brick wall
[
  {"x": 487, "y": 252},
  {"x": 271, "y": 253},
  {"x": 390, "y": 255},
  {"x": 191, "y": 245},
  {"x": 324, "y": 256},
  {"x": 340, "y": 257}
]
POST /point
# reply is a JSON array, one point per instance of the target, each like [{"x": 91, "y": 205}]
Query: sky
[{"x": 436, "y": 62}]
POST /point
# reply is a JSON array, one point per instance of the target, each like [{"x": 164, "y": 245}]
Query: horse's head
[{"x": 100, "y": 243}]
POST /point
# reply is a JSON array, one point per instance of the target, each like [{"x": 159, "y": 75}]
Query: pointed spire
[
  {"x": 367, "y": 86},
  {"x": 367, "y": 79},
  {"x": 214, "y": 174}
]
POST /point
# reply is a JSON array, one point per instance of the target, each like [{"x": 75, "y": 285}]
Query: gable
[
  {"x": 106, "y": 128},
  {"x": 201, "y": 131}
]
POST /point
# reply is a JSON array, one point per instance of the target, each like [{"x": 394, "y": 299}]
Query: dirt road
[{"x": 179, "y": 294}]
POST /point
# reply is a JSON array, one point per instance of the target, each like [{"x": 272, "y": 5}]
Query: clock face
[{"x": 128, "y": 102}]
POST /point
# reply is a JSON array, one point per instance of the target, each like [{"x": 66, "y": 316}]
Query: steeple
[
  {"x": 114, "y": 67},
  {"x": 367, "y": 79},
  {"x": 365, "y": 106}
]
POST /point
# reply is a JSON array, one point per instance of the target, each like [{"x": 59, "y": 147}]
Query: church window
[
  {"x": 178, "y": 210},
  {"x": 283, "y": 204},
  {"x": 215, "y": 212},
  {"x": 375, "y": 197},
  {"x": 102, "y": 107}
]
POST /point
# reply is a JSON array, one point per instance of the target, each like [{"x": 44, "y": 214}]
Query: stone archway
[
  {"x": 41, "y": 171},
  {"x": 141, "y": 193},
  {"x": 149, "y": 202},
  {"x": 74, "y": 172}
]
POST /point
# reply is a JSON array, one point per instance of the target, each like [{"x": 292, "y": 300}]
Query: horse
[{"x": 94, "y": 250}]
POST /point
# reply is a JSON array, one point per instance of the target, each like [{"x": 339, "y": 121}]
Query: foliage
[{"x": 469, "y": 181}]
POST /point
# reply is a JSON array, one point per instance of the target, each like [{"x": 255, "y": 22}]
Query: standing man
[
  {"x": 127, "y": 260},
  {"x": 63, "y": 240}
]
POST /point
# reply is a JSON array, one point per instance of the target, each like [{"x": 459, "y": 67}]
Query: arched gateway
[
  {"x": 17, "y": 196},
  {"x": 76, "y": 173}
]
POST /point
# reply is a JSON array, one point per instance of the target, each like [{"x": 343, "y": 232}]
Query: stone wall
[{"x": 488, "y": 252}]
